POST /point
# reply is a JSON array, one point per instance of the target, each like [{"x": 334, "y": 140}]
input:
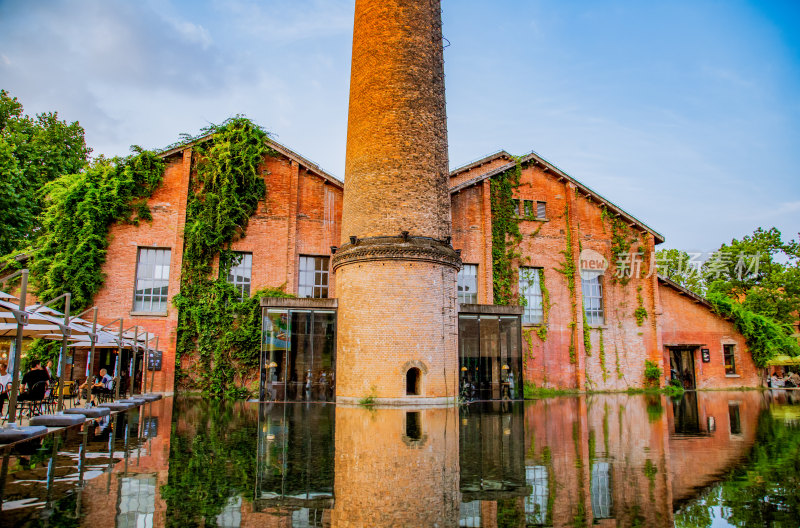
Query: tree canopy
[{"x": 33, "y": 151}]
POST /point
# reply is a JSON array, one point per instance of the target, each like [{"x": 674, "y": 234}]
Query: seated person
[
  {"x": 794, "y": 377},
  {"x": 102, "y": 385},
  {"x": 34, "y": 382},
  {"x": 5, "y": 385}
]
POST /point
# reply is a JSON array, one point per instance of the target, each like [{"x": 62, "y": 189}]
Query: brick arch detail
[{"x": 414, "y": 363}]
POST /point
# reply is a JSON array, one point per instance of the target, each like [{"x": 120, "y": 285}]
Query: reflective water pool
[{"x": 708, "y": 459}]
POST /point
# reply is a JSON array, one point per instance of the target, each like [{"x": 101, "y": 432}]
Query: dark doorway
[
  {"x": 687, "y": 415},
  {"x": 413, "y": 425},
  {"x": 681, "y": 362},
  {"x": 412, "y": 381}
]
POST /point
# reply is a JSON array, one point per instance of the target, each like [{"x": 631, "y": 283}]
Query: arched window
[{"x": 413, "y": 381}]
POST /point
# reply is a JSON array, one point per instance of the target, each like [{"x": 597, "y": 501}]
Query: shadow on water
[{"x": 606, "y": 459}]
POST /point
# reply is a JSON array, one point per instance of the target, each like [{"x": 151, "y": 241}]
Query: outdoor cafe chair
[
  {"x": 106, "y": 395},
  {"x": 34, "y": 406},
  {"x": 5, "y": 389}
]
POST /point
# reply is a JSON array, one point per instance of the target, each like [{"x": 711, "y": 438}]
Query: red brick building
[
  {"x": 629, "y": 314},
  {"x": 292, "y": 231},
  {"x": 289, "y": 243}
]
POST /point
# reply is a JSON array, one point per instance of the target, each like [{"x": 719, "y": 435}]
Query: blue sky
[{"x": 685, "y": 113}]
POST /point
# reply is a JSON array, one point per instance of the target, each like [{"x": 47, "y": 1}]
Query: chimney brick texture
[{"x": 396, "y": 170}]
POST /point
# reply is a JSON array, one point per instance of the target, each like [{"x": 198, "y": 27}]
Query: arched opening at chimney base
[{"x": 413, "y": 380}]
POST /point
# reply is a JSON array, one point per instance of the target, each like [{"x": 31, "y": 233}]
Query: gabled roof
[
  {"x": 282, "y": 149},
  {"x": 500, "y": 154},
  {"x": 535, "y": 159},
  {"x": 683, "y": 290}
]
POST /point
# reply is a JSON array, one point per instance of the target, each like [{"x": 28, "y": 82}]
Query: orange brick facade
[
  {"x": 620, "y": 346},
  {"x": 300, "y": 216}
]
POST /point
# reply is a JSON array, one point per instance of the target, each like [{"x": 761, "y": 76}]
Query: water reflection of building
[
  {"x": 710, "y": 433},
  {"x": 295, "y": 458},
  {"x": 396, "y": 468},
  {"x": 492, "y": 462}
]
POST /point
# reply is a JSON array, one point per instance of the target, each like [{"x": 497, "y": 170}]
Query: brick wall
[
  {"x": 687, "y": 322},
  {"x": 395, "y": 321},
  {"x": 298, "y": 217},
  {"x": 626, "y": 345}
]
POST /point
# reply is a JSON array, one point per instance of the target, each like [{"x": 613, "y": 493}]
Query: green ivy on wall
[
  {"x": 602, "y": 355},
  {"x": 69, "y": 251},
  {"x": 541, "y": 331},
  {"x": 640, "y": 313},
  {"x": 505, "y": 233},
  {"x": 765, "y": 337},
  {"x": 567, "y": 269},
  {"x": 218, "y": 332}
]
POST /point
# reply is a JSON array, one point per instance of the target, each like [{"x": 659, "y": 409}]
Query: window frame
[
  {"x": 459, "y": 283},
  {"x": 528, "y": 210},
  {"x": 149, "y": 309},
  {"x": 528, "y": 308},
  {"x": 241, "y": 285},
  {"x": 725, "y": 347},
  {"x": 543, "y": 204},
  {"x": 594, "y": 317},
  {"x": 316, "y": 273}
]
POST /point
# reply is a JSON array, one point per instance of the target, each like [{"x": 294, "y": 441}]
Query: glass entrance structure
[
  {"x": 490, "y": 352},
  {"x": 298, "y": 353}
]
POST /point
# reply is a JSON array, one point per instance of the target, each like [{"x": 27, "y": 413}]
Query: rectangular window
[
  {"x": 601, "y": 490},
  {"x": 593, "y": 298},
  {"x": 152, "y": 280},
  {"x": 528, "y": 208},
  {"x": 516, "y": 208},
  {"x": 137, "y": 501},
  {"x": 468, "y": 284},
  {"x": 536, "y": 503},
  {"x": 735, "y": 418},
  {"x": 240, "y": 273},
  {"x": 541, "y": 210},
  {"x": 730, "y": 361},
  {"x": 313, "y": 277},
  {"x": 530, "y": 293}
]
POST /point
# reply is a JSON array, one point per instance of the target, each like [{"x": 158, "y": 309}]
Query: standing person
[
  {"x": 49, "y": 369},
  {"x": 5, "y": 385}
]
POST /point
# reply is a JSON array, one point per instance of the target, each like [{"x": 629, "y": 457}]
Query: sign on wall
[
  {"x": 706, "y": 353},
  {"x": 154, "y": 360},
  {"x": 592, "y": 263}
]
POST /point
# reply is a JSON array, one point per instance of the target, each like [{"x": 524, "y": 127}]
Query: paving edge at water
[{"x": 50, "y": 430}]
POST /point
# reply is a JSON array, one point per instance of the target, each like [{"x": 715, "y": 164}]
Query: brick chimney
[{"x": 396, "y": 270}]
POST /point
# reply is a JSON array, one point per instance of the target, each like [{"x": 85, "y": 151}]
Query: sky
[{"x": 684, "y": 113}]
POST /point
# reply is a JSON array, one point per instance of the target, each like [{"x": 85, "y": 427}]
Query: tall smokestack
[{"x": 396, "y": 271}]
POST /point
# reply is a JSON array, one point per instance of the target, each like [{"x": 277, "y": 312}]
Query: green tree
[
  {"x": 33, "y": 151},
  {"x": 761, "y": 271},
  {"x": 677, "y": 266}
]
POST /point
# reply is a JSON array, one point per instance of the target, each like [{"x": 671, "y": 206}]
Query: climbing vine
[
  {"x": 640, "y": 313},
  {"x": 765, "y": 337},
  {"x": 68, "y": 252},
  {"x": 620, "y": 244},
  {"x": 602, "y": 355},
  {"x": 587, "y": 337},
  {"x": 568, "y": 270},
  {"x": 506, "y": 235},
  {"x": 541, "y": 331},
  {"x": 218, "y": 329}
]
